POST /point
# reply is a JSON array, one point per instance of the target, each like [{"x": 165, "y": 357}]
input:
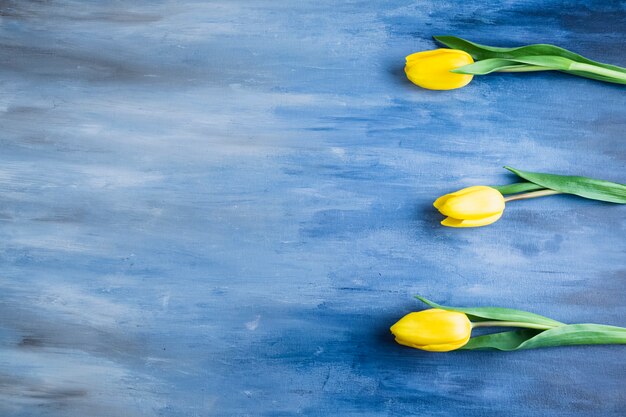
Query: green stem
[
  {"x": 525, "y": 68},
  {"x": 518, "y": 187},
  {"x": 605, "y": 72},
  {"x": 533, "y": 194},
  {"x": 511, "y": 324}
]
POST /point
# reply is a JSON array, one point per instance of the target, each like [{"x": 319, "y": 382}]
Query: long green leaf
[
  {"x": 581, "y": 186},
  {"x": 480, "y": 52},
  {"x": 541, "y": 63},
  {"x": 547, "y": 61},
  {"x": 519, "y": 187},
  {"x": 501, "y": 341},
  {"x": 568, "y": 66},
  {"x": 595, "y": 76},
  {"x": 568, "y": 335},
  {"x": 497, "y": 313},
  {"x": 487, "y": 66}
]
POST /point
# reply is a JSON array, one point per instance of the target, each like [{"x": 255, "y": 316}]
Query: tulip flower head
[
  {"x": 471, "y": 207},
  {"x": 434, "y": 330},
  {"x": 431, "y": 69}
]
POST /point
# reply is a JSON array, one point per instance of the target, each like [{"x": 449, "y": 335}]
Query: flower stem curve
[
  {"x": 533, "y": 194},
  {"x": 511, "y": 324}
]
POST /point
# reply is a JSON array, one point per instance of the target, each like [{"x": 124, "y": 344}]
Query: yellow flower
[
  {"x": 471, "y": 207},
  {"x": 431, "y": 69},
  {"x": 434, "y": 330}
]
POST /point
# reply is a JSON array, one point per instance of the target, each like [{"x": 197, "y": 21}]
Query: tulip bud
[
  {"x": 431, "y": 69},
  {"x": 434, "y": 330},
  {"x": 471, "y": 207}
]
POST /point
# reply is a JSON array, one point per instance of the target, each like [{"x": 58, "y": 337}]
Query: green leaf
[
  {"x": 525, "y": 63},
  {"x": 581, "y": 186},
  {"x": 501, "y": 341},
  {"x": 520, "y": 64},
  {"x": 537, "y": 57},
  {"x": 595, "y": 76},
  {"x": 487, "y": 66},
  {"x": 497, "y": 313},
  {"x": 546, "y": 61},
  {"x": 480, "y": 52},
  {"x": 568, "y": 335},
  {"x": 519, "y": 187}
]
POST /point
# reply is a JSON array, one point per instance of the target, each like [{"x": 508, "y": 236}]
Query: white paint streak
[
  {"x": 79, "y": 306},
  {"x": 252, "y": 325},
  {"x": 165, "y": 301}
]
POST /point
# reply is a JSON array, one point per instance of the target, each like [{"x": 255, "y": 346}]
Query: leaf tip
[
  {"x": 422, "y": 299},
  {"x": 442, "y": 39}
]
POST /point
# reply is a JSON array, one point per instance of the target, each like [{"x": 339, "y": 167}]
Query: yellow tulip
[
  {"x": 471, "y": 207},
  {"x": 431, "y": 69},
  {"x": 434, "y": 330}
]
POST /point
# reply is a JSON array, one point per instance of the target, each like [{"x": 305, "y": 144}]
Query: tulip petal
[
  {"x": 442, "y": 200},
  {"x": 434, "y": 330},
  {"x": 452, "y": 222},
  {"x": 445, "y": 347},
  {"x": 417, "y": 56},
  {"x": 431, "y": 69},
  {"x": 477, "y": 203}
]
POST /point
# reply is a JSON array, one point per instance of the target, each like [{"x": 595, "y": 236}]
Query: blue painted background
[{"x": 219, "y": 208}]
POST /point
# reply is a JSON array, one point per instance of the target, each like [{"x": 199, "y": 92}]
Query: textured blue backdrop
[{"x": 219, "y": 208}]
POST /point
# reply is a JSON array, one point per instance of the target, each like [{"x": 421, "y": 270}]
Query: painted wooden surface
[{"x": 219, "y": 208}]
